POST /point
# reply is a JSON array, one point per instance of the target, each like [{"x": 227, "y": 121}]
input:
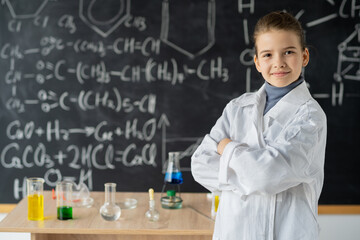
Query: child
[{"x": 266, "y": 152}]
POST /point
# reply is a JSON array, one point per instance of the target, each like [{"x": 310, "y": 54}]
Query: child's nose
[{"x": 279, "y": 62}]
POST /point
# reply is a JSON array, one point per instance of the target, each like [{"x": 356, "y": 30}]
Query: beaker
[
  {"x": 35, "y": 196},
  {"x": 110, "y": 211},
  {"x": 64, "y": 200}
]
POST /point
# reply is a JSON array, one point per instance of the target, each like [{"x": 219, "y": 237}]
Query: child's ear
[
  {"x": 257, "y": 64},
  {"x": 306, "y": 57}
]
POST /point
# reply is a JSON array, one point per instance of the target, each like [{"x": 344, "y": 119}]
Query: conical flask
[
  {"x": 173, "y": 179},
  {"x": 173, "y": 173}
]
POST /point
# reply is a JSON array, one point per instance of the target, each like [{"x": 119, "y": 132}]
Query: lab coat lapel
[
  {"x": 287, "y": 105},
  {"x": 258, "y": 123}
]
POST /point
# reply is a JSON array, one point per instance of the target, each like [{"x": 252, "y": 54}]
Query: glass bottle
[
  {"x": 110, "y": 211},
  {"x": 152, "y": 214}
]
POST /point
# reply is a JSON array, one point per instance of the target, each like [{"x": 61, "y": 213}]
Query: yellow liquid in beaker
[{"x": 35, "y": 207}]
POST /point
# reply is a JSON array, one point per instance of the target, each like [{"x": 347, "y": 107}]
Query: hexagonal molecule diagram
[
  {"x": 104, "y": 16},
  {"x": 22, "y": 9},
  {"x": 348, "y": 67},
  {"x": 190, "y": 32}
]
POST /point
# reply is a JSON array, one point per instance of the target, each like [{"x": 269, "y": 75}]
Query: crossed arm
[
  {"x": 292, "y": 158},
  {"x": 222, "y": 144}
]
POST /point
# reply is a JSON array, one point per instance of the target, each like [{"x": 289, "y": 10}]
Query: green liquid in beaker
[{"x": 64, "y": 213}]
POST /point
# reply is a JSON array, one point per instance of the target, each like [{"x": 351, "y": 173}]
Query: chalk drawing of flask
[{"x": 179, "y": 28}]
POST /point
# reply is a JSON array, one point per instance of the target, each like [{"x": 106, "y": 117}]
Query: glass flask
[
  {"x": 152, "y": 214},
  {"x": 110, "y": 211},
  {"x": 173, "y": 174},
  {"x": 173, "y": 179},
  {"x": 35, "y": 197}
]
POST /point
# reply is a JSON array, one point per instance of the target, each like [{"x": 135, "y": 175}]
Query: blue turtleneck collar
[{"x": 274, "y": 94}]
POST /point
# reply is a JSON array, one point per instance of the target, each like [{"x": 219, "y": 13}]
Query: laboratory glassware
[
  {"x": 64, "y": 200},
  {"x": 152, "y": 214},
  {"x": 173, "y": 179},
  {"x": 35, "y": 197},
  {"x": 110, "y": 211}
]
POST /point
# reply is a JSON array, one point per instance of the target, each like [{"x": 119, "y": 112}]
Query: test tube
[{"x": 215, "y": 203}]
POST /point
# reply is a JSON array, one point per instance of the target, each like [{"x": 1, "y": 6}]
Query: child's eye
[
  {"x": 266, "y": 55},
  {"x": 288, "y": 52}
]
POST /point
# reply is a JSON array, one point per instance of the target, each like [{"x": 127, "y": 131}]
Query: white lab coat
[{"x": 272, "y": 172}]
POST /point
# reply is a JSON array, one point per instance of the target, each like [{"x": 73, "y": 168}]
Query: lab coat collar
[
  {"x": 285, "y": 107},
  {"x": 251, "y": 99},
  {"x": 289, "y": 104}
]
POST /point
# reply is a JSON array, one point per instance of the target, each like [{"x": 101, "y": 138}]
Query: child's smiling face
[{"x": 280, "y": 57}]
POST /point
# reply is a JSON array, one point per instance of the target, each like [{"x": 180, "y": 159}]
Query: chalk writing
[{"x": 95, "y": 91}]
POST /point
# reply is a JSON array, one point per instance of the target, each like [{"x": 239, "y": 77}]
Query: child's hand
[{"x": 222, "y": 144}]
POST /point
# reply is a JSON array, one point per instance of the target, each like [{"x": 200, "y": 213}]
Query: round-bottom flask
[
  {"x": 110, "y": 211},
  {"x": 152, "y": 214}
]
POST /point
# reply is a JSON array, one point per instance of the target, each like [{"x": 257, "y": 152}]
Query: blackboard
[{"x": 101, "y": 91}]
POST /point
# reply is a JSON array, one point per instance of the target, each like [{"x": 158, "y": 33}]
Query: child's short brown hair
[{"x": 279, "y": 21}]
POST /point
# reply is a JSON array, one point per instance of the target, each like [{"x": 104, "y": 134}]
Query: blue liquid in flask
[{"x": 174, "y": 178}]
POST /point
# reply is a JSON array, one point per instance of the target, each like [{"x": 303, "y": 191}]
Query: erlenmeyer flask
[
  {"x": 173, "y": 179},
  {"x": 173, "y": 174}
]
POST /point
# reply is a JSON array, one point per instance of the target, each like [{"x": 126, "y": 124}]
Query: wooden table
[{"x": 191, "y": 222}]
